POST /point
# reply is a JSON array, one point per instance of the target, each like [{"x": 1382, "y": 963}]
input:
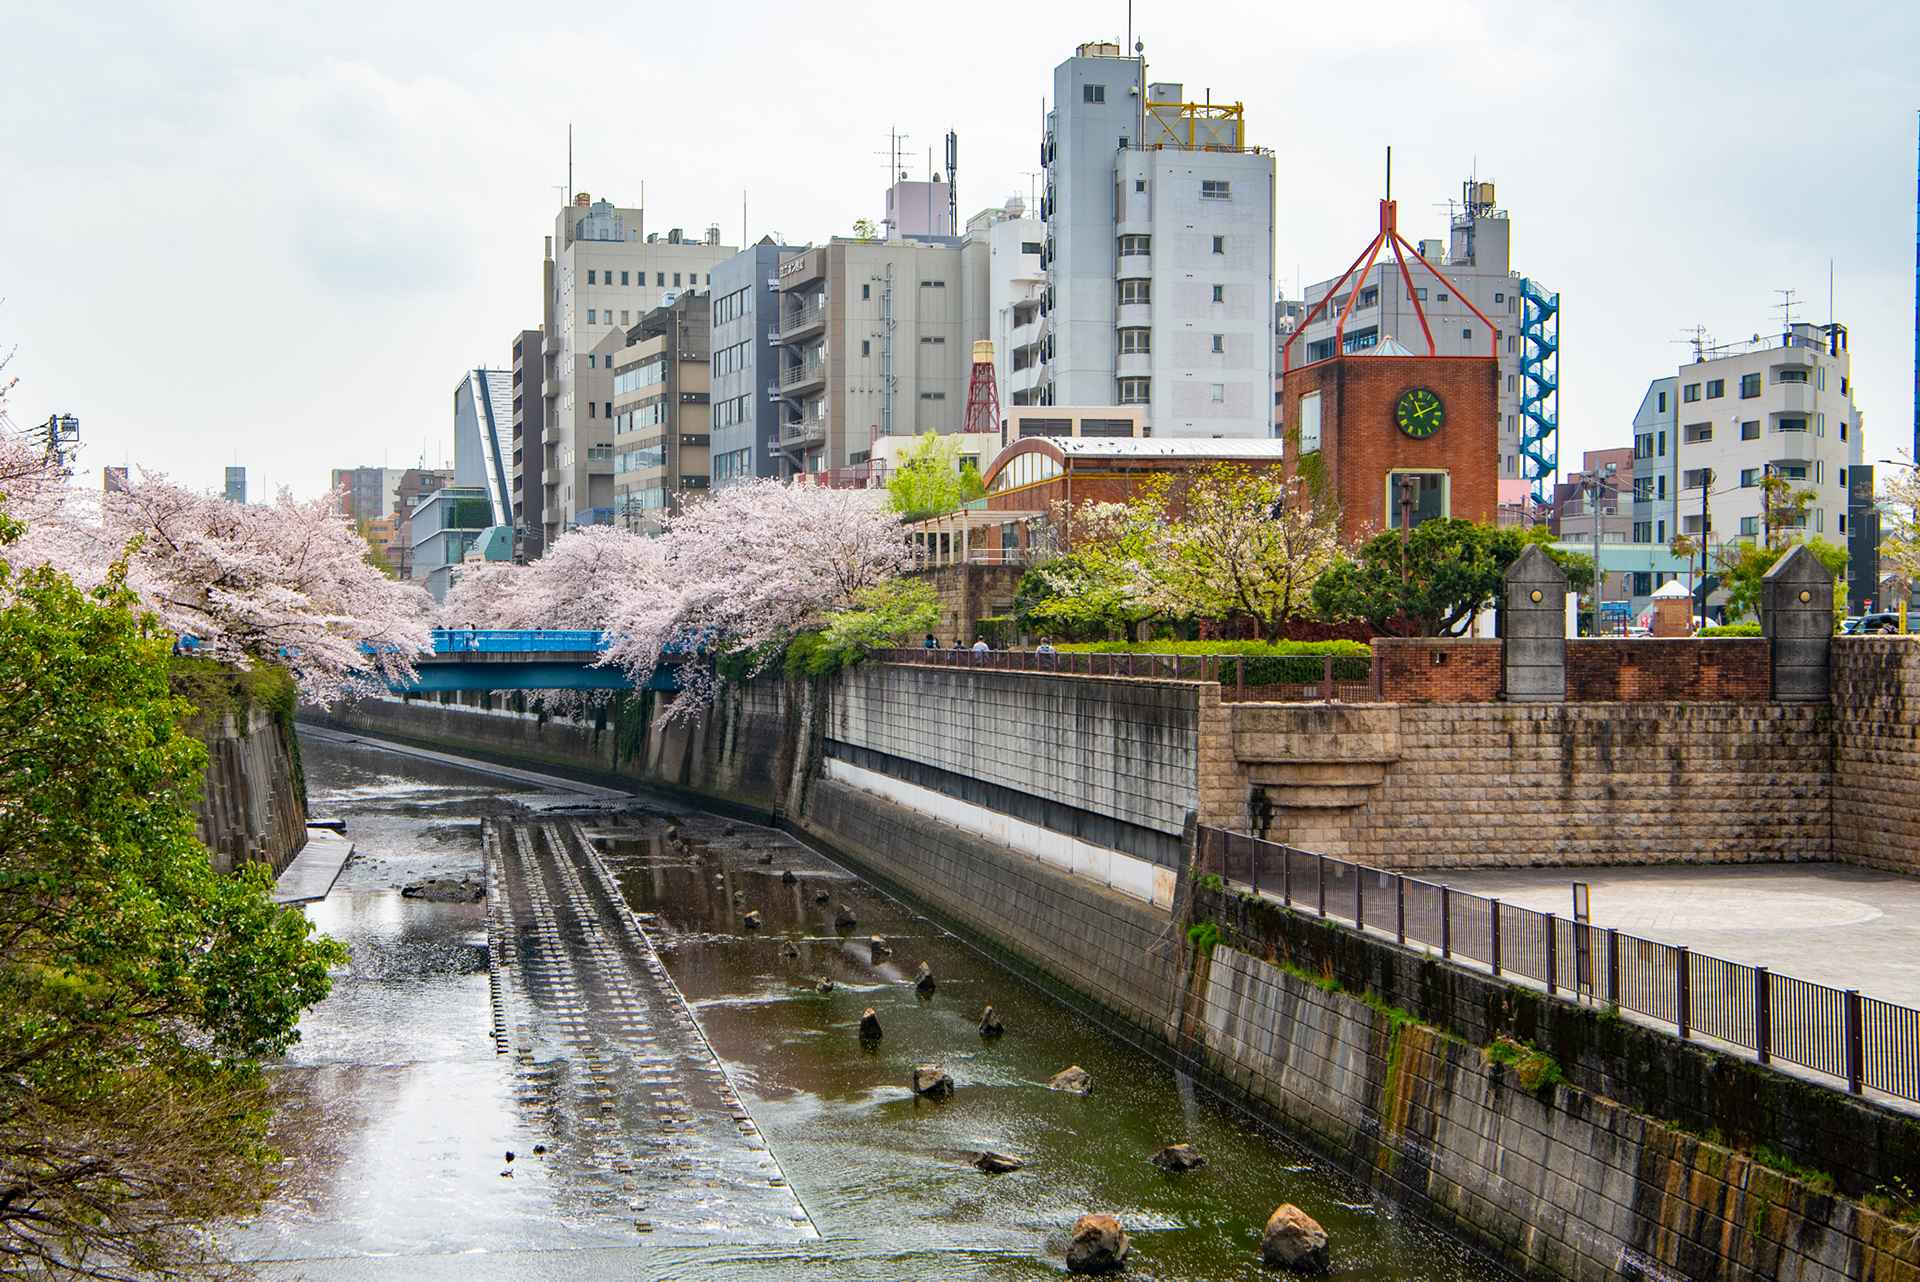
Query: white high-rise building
[
  {"x": 1158, "y": 254},
  {"x": 1014, "y": 283},
  {"x": 603, "y": 273}
]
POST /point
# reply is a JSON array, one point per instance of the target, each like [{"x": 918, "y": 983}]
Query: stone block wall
[
  {"x": 968, "y": 593},
  {"x": 1876, "y": 752},
  {"x": 253, "y": 806},
  {"x": 1614, "y": 669},
  {"x": 1492, "y": 784}
]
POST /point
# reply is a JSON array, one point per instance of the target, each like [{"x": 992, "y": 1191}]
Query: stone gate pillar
[
  {"x": 1796, "y": 617},
  {"x": 1533, "y": 628}
]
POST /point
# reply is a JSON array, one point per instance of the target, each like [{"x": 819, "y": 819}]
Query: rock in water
[
  {"x": 996, "y": 1163},
  {"x": 929, "y": 1080},
  {"x": 767, "y": 858},
  {"x": 791, "y": 952},
  {"x": 869, "y": 1025},
  {"x": 1179, "y": 1157},
  {"x": 844, "y": 919},
  {"x": 728, "y": 831},
  {"x": 923, "y": 978},
  {"x": 990, "y": 1025},
  {"x": 821, "y": 896},
  {"x": 879, "y": 946},
  {"x": 823, "y": 985},
  {"x": 787, "y": 878},
  {"x": 1099, "y": 1245},
  {"x": 446, "y": 890},
  {"x": 1072, "y": 1078},
  {"x": 751, "y": 920},
  {"x": 1293, "y": 1240}
]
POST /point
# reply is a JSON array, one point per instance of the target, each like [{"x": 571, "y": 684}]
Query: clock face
[{"x": 1419, "y": 413}]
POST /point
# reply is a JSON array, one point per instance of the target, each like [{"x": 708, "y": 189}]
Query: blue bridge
[{"x": 523, "y": 659}]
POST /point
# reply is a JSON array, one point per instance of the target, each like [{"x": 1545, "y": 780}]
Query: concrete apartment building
[
  {"x": 662, "y": 394},
  {"x": 236, "y": 485},
  {"x": 602, "y": 272},
  {"x": 746, "y": 364},
  {"x": 1015, "y": 286},
  {"x": 528, "y": 430},
  {"x": 1477, "y": 259},
  {"x": 366, "y": 491},
  {"x": 875, "y": 340},
  {"x": 415, "y": 486},
  {"x": 1577, "y": 509},
  {"x": 482, "y": 431},
  {"x": 1158, "y": 253},
  {"x": 1706, "y": 438}
]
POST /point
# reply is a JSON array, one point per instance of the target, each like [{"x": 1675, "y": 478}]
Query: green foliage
[
  {"x": 1451, "y": 570},
  {"x": 1211, "y": 881},
  {"x": 1730, "y": 630},
  {"x": 1078, "y": 597},
  {"x": 1744, "y": 569},
  {"x": 1774, "y": 1159},
  {"x": 931, "y": 480},
  {"x": 1203, "y": 936},
  {"x": 886, "y": 614},
  {"x": 217, "y": 691},
  {"x": 1267, "y": 662},
  {"x": 1532, "y": 1067},
  {"x": 997, "y": 630},
  {"x": 139, "y": 989}
]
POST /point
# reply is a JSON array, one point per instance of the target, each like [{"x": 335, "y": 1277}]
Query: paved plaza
[{"x": 1830, "y": 923}]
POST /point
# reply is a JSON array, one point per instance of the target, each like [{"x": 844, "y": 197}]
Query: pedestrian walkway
[{"x": 314, "y": 870}]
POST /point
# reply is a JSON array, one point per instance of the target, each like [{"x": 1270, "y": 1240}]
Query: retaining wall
[
  {"x": 253, "y": 806},
  {"x": 1876, "y": 752}
]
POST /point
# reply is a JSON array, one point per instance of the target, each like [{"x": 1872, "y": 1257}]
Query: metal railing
[
  {"x": 1865, "y": 1042},
  {"x": 1229, "y": 671},
  {"x": 517, "y": 640}
]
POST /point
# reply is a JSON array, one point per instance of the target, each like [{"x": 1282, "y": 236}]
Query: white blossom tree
[{"x": 1900, "y": 524}]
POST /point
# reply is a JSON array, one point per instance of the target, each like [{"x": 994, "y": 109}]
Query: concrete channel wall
[
  {"x": 253, "y": 805},
  {"x": 1382, "y": 1058}
]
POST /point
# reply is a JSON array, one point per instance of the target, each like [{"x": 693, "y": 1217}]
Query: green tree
[
  {"x": 1093, "y": 592},
  {"x": 1784, "y": 507},
  {"x": 931, "y": 480},
  {"x": 891, "y": 613},
  {"x": 1744, "y": 566},
  {"x": 139, "y": 989},
  {"x": 1450, "y": 572}
]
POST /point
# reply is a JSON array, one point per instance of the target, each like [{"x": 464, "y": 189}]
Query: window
[
  {"x": 1513, "y": 344},
  {"x": 1217, "y": 392},
  {"x": 1790, "y": 376},
  {"x": 1819, "y": 424},
  {"x": 1695, "y": 478},
  {"x": 1659, "y": 531},
  {"x": 933, "y": 396},
  {"x": 1661, "y": 401},
  {"x": 1821, "y": 378},
  {"x": 1750, "y": 430},
  {"x": 1136, "y": 291},
  {"x": 1219, "y": 342},
  {"x": 1643, "y": 447},
  {"x": 1716, "y": 388},
  {"x": 1790, "y": 425},
  {"x": 1135, "y": 391},
  {"x": 1690, "y": 393},
  {"x": 591, "y": 360},
  {"x": 933, "y": 284},
  {"x": 1749, "y": 526},
  {"x": 1369, "y": 297},
  {"x": 1843, "y": 478},
  {"x": 593, "y": 409},
  {"x": 1429, "y": 496},
  {"x": 1749, "y": 386},
  {"x": 933, "y": 338},
  {"x": 866, "y": 347},
  {"x": 1309, "y": 422},
  {"x": 1132, "y": 245},
  {"x": 1642, "y": 533},
  {"x": 1219, "y": 293},
  {"x": 623, "y": 315},
  {"x": 676, "y": 280},
  {"x": 1843, "y": 385},
  {"x": 1139, "y": 184},
  {"x": 593, "y": 278},
  {"x": 1029, "y": 246},
  {"x": 1660, "y": 486},
  {"x": 866, "y": 293},
  {"x": 1093, "y": 93},
  {"x": 1697, "y": 433},
  {"x": 623, "y": 278},
  {"x": 592, "y": 318},
  {"x": 1215, "y": 189},
  {"x": 1749, "y": 477},
  {"x": 608, "y": 413},
  {"x": 1136, "y": 340},
  {"x": 1499, "y": 298},
  {"x": 1219, "y": 244},
  {"x": 659, "y": 278},
  {"x": 1441, "y": 299},
  {"x": 1466, "y": 333},
  {"x": 1843, "y": 429}
]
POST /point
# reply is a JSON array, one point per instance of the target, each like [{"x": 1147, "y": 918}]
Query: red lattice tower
[{"x": 983, "y": 399}]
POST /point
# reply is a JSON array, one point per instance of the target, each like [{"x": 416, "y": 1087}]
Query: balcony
[
  {"x": 1133, "y": 365},
  {"x": 796, "y": 379},
  {"x": 799, "y": 322},
  {"x": 800, "y": 435},
  {"x": 1133, "y": 316}
]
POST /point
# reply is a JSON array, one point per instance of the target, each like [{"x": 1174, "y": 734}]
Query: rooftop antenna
[
  {"x": 1785, "y": 306},
  {"x": 569, "y": 160},
  {"x": 1829, "y": 289},
  {"x": 1697, "y": 339},
  {"x": 1389, "y": 194}
]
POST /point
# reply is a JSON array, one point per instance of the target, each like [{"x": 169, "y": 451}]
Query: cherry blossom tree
[
  {"x": 286, "y": 582},
  {"x": 744, "y": 570}
]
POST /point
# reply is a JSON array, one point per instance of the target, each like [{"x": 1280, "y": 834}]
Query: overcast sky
[{"x": 276, "y": 235}]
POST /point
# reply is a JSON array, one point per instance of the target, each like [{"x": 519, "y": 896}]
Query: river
[{"x": 762, "y": 1139}]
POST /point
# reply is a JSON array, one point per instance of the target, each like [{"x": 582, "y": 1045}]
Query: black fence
[
  {"x": 1230, "y": 671},
  {"x": 1861, "y": 1040}
]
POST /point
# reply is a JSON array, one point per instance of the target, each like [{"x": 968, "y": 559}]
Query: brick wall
[
  {"x": 1876, "y": 752},
  {"x": 1623, "y": 669},
  {"x": 1360, "y": 442},
  {"x": 1437, "y": 669}
]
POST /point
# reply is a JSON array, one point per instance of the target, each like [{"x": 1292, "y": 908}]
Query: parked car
[{"x": 1882, "y": 622}]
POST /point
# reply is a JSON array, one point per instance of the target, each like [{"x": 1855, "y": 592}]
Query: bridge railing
[
  {"x": 518, "y": 640},
  {"x": 1868, "y": 1043}
]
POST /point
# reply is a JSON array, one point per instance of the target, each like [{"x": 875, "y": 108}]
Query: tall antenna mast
[
  {"x": 569, "y": 162},
  {"x": 1785, "y": 306}
]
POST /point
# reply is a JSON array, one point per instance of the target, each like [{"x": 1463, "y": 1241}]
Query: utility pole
[
  {"x": 1706, "y": 517},
  {"x": 1599, "y": 579},
  {"x": 1406, "y": 523},
  {"x": 1766, "y": 505}
]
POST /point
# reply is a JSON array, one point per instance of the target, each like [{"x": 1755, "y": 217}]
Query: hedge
[
  {"x": 1267, "y": 662},
  {"x": 1730, "y": 630}
]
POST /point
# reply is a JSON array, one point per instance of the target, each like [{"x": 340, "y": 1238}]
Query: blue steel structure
[
  {"x": 1539, "y": 388},
  {"x": 545, "y": 659}
]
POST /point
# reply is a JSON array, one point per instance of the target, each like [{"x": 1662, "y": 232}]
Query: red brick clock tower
[{"x": 1388, "y": 415}]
